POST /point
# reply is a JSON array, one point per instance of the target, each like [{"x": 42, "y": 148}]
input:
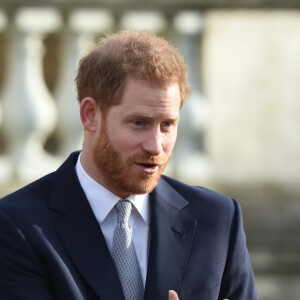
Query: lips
[
  {"x": 148, "y": 168},
  {"x": 148, "y": 165}
]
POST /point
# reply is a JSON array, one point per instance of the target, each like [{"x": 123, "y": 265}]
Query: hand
[{"x": 173, "y": 295}]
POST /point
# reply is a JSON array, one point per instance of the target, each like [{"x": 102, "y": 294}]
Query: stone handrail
[{"x": 31, "y": 113}]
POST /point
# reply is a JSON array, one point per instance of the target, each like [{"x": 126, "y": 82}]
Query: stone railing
[{"x": 31, "y": 114}]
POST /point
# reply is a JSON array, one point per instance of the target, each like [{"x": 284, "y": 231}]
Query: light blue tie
[{"x": 124, "y": 255}]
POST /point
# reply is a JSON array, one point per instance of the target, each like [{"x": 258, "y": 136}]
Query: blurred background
[{"x": 239, "y": 131}]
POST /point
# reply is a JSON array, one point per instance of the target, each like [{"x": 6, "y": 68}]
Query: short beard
[{"x": 116, "y": 170}]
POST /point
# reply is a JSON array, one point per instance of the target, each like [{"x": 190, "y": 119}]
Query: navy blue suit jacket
[{"x": 51, "y": 245}]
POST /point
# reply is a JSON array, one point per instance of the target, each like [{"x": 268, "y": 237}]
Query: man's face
[{"x": 136, "y": 138}]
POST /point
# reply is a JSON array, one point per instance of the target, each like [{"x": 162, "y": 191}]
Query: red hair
[{"x": 142, "y": 55}]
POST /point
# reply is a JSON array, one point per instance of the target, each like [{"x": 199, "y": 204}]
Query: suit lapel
[
  {"x": 81, "y": 235},
  {"x": 171, "y": 239}
]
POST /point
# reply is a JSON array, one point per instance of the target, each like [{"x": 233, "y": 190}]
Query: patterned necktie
[{"x": 124, "y": 255}]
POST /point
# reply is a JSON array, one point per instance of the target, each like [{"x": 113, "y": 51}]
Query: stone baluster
[
  {"x": 192, "y": 161},
  {"x": 29, "y": 111},
  {"x": 4, "y": 166},
  {"x": 77, "y": 38},
  {"x": 3, "y": 23},
  {"x": 144, "y": 20}
]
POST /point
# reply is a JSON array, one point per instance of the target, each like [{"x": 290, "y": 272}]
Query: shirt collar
[{"x": 102, "y": 201}]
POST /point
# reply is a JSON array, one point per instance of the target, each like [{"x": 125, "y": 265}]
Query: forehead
[{"x": 141, "y": 93}]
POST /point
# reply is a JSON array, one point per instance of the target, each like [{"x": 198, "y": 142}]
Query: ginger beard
[{"x": 120, "y": 172}]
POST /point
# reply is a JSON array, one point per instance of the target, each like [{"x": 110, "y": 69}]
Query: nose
[{"x": 153, "y": 142}]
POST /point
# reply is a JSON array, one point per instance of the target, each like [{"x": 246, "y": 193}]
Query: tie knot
[{"x": 124, "y": 210}]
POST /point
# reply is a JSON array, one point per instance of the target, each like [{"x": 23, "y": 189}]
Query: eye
[
  {"x": 168, "y": 124},
  {"x": 138, "y": 123}
]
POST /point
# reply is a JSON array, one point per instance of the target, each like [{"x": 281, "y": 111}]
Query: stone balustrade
[{"x": 32, "y": 114}]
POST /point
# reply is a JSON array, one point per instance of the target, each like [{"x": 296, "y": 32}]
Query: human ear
[{"x": 89, "y": 114}]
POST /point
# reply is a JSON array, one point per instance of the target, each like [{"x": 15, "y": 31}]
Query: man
[{"x": 67, "y": 236}]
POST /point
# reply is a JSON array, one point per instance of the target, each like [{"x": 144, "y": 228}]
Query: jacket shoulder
[
  {"x": 181, "y": 187},
  {"x": 203, "y": 198},
  {"x": 39, "y": 191},
  {"x": 29, "y": 197}
]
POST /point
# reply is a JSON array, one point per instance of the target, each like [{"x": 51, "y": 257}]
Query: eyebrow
[{"x": 149, "y": 117}]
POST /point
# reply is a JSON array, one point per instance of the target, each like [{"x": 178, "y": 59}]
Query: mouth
[{"x": 148, "y": 168}]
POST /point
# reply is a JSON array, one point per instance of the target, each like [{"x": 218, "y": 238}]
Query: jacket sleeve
[
  {"x": 238, "y": 279},
  {"x": 21, "y": 276}
]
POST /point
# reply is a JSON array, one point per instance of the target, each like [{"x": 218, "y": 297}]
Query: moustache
[{"x": 149, "y": 159}]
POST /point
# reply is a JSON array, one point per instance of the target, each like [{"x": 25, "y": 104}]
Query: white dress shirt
[{"x": 103, "y": 202}]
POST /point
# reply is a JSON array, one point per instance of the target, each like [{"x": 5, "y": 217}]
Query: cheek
[
  {"x": 124, "y": 142},
  {"x": 119, "y": 137},
  {"x": 170, "y": 143}
]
